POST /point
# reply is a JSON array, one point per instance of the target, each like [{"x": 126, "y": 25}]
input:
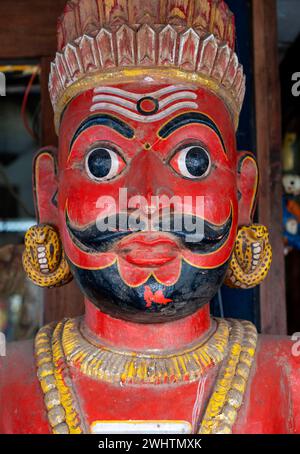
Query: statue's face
[{"x": 148, "y": 197}]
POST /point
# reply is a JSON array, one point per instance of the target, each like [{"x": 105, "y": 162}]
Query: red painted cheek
[
  {"x": 85, "y": 199},
  {"x": 220, "y": 194},
  {"x": 217, "y": 193}
]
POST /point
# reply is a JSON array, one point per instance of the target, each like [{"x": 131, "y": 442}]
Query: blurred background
[
  {"x": 268, "y": 44},
  {"x": 21, "y": 304}
]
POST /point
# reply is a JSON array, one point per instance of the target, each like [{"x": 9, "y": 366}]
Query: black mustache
[{"x": 91, "y": 239}]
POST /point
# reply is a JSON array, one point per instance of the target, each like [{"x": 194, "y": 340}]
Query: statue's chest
[{"x": 154, "y": 409}]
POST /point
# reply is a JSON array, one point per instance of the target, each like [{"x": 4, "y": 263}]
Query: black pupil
[
  {"x": 100, "y": 163},
  {"x": 197, "y": 161}
]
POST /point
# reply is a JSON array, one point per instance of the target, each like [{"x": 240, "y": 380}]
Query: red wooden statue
[{"x": 149, "y": 206}]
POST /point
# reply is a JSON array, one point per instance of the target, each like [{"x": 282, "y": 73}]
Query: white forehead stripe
[
  {"x": 137, "y": 96},
  {"x": 114, "y": 100},
  {"x": 118, "y": 101},
  {"x": 177, "y": 97},
  {"x": 143, "y": 118}
]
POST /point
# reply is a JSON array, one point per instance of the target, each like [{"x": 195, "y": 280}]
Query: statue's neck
[{"x": 121, "y": 334}]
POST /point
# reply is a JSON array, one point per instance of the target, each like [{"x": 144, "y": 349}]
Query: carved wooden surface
[
  {"x": 28, "y": 27},
  {"x": 48, "y": 133},
  {"x": 268, "y": 125}
]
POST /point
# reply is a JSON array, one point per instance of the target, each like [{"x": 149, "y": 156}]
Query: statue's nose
[{"x": 148, "y": 177}]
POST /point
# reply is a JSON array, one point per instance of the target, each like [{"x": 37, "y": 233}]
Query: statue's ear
[
  {"x": 248, "y": 179},
  {"x": 45, "y": 186}
]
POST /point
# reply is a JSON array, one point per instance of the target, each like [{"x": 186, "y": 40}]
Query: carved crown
[{"x": 192, "y": 38}]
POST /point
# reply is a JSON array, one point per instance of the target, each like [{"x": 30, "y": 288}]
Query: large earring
[
  {"x": 251, "y": 258},
  {"x": 44, "y": 260}
]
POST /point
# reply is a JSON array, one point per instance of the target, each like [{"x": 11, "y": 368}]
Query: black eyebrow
[
  {"x": 105, "y": 120},
  {"x": 187, "y": 119}
]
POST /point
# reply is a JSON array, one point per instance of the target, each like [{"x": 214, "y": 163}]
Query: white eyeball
[
  {"x": 103, "y": 164},
  {"x": 193, "y": 162}
]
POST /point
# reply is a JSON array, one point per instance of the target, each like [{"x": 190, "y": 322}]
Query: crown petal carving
[
  {"x": 194, "y": 36},
  {"x": 82, "y": 17}
]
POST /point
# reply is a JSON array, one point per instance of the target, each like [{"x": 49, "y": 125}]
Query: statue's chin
[{"x": 151, "y": 302}]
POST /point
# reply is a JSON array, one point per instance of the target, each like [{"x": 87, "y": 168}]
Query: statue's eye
[
  {"x": 103, "y": 164},
  {"x": 191, "y": 161}
]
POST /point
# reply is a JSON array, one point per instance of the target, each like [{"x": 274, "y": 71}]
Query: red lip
[{"x": 148, "y": 250}]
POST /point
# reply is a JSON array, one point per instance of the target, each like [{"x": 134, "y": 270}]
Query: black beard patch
[{"x": 148, "y": 302}]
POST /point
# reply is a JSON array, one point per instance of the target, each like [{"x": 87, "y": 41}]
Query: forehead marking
[
  {"x": 148, "y": 106},
  {"x": 120, "y": 101}
]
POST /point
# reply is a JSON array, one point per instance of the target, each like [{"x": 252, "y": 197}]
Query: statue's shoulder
[
  {"x": 277, "y": 344},
  {"x": 283, "y": 352},
  {"x": 18, "y": 351},
  {"x": 17, "y": 366},
  {"x": 280, "y": 356},
  {"x": 22, "y": 404},
  {"x": 273, "y": 388}
]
